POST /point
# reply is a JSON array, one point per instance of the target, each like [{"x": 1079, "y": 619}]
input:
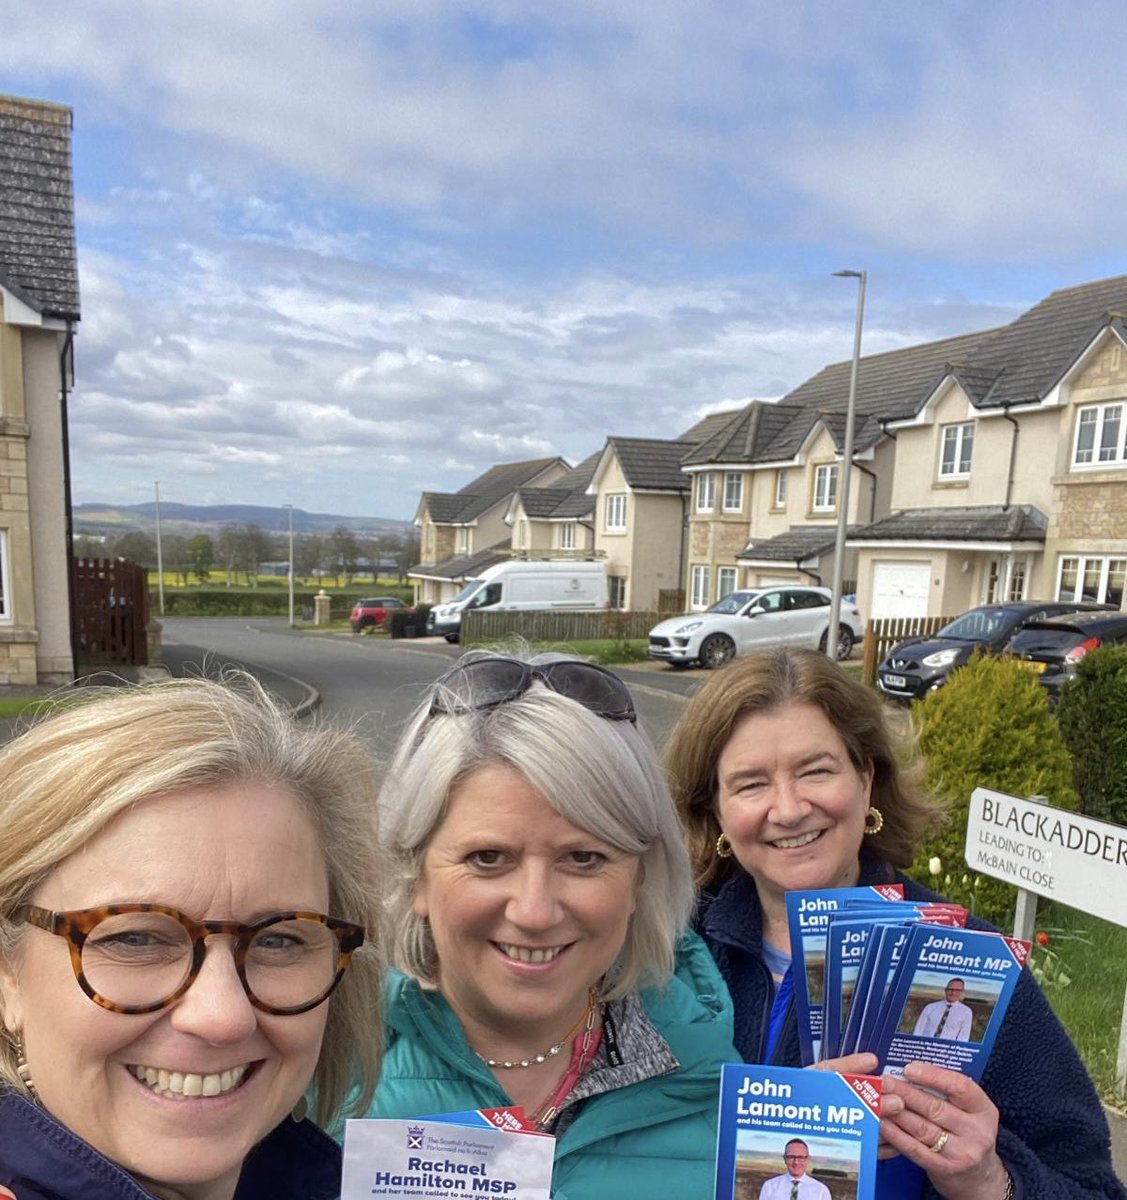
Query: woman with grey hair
[
  {"x": 185, "y": 875},
  {"x": 540, "y": 893}
]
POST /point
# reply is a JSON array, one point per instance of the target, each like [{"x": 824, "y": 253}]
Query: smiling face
[
  {"x": 797, "y": 1158},
  {"x": 792, "y": 804},
  {"x": 527, "y": 912},
  {"x": 235, "y": 852},
  {"x": 955, "y": 990}
]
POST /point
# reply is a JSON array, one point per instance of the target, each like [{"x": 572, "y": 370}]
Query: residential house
[
  {"x": 462, "y": 533},
  {"x": 555, "y": 521},
  {"x": 1011, "y": 467},
  {"x": 641, "y": 498},
  {"x": 38, "y": 309}
]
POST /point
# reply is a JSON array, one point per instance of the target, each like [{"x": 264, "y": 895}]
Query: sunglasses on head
[{"x": 488, "y": 683}]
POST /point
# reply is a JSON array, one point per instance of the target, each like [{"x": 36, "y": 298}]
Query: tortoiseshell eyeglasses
[{"x": 140, "y": 958}]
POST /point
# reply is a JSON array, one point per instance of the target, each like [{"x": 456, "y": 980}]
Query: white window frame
[
  {"x": 1097, "y": 570},
  {"x": 614, "y": 512},
  {"x": 5, "y": 580},
  {"x": 1108, "y": 442},
  {"x": 706, "y": 492},
  {"x": 567, "y": 535},
  {"x": 780, "y": 489},
  {"x": 733, "y": 491},
  {"x": 700, "y": 583},
  {"x": 825, "y": 488},
  {"x": 462, "y": 540},
  {"x": 616, "y": 591},
  {"x": 961, "y": 439},
  {"x": 726, "y": 581}
]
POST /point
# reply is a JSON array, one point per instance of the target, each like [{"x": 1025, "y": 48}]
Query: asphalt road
[{"x": 368, "y": 683}]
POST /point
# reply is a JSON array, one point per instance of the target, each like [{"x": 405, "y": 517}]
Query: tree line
[{"x": 242, "y": 550}]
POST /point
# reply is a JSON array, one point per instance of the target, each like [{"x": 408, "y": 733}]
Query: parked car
[
  {"x": 920, "y": 665},
  {"x": 373, "y": 612},
  {"x": 1053, "y": 648},
  {"x": 752, "y": 618}
]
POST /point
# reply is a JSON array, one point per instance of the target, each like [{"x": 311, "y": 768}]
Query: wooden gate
[{"x": 111, "y": 611}]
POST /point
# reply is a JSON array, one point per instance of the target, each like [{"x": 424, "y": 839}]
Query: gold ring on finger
[{"x": 940, "y": 1142}]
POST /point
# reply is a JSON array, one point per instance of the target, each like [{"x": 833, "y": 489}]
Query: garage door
[{"x": 900, "y": 589}]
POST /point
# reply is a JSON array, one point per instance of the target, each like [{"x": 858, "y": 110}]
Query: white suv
[{"x": 754, "y": 618}]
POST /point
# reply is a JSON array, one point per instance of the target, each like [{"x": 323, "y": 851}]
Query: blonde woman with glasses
[{"x": 188, "y": 889}]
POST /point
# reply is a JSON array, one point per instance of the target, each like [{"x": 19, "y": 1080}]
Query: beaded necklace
[{"x": 585, "y": 1019}]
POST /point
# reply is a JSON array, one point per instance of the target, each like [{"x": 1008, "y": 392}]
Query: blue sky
[{"x": 333, "y": 254}]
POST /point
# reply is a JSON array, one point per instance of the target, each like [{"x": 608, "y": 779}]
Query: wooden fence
[
  {"x": 881, "y": 635},
  {"x": 485, "y": 628},
  {"x": 111, "y": 611}
]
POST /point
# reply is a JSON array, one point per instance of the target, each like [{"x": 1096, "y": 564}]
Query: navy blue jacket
[
  {"x": 1052, "y": 1135},
  {"x": 42, "y": 1160}
]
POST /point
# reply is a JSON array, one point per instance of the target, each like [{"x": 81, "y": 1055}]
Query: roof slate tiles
[
  {"x": 38, "y": 257},
  {"x": 800, "y": 542},
  {"x": 981, "y": 523},
  {"x": 651, "y": 464}
]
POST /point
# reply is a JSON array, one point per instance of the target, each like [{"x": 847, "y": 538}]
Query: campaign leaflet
[
  {"x": 487, "y": 1153},
  {"x": 947, "y": 999},
  {"x": 847, "y": 941},
  {"x": 763, "y": 1109},
  {"x": 808, "y": 915}
]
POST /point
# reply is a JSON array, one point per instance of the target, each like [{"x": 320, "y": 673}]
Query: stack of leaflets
[
  {"x": 492, "y": 1152},
  {"x": 781, "y": 1124},
  {"x": 903, "y": 981}
]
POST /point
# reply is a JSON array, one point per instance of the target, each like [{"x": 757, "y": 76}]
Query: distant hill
[{"x": 98, "y": 518}]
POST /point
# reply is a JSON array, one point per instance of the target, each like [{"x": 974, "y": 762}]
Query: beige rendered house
[
  {"x": 555, "y": 522},
  {"x": 1010, "y": 479},
  {"x": 38, "y": 309},
  {"x": 462, "y": 533}
]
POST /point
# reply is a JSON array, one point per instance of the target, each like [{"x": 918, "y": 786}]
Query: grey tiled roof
[
  {"x": 482, "y": 493},
  {"x": 462, "y": 566},
  {"x": 566, "y": 498},
  {"x": 983, "y": 523},
  {"x": 38, "y": 259},
  {"x": 1029, "y": 356},
  {"x": 799, "y": 543},
  {"x": 890, "y": 385},
  {"x": 542, "y": 502},
  {"x": 707, "y": 426},
  {"x": 651, "y": 464}
]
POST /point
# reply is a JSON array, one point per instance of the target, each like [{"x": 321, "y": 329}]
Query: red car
[{"x": 373, "y": 612}]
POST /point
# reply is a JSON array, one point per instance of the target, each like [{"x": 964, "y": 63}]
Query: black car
[
  {"x": 921, "y": 665},
  {"x": 1053, "y": 648}
]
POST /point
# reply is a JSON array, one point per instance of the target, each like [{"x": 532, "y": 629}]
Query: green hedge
[
  {"x": 243, "y": 602},
  {"x": 990, "y": 726},
  {"x": 1093, "y": 720}
]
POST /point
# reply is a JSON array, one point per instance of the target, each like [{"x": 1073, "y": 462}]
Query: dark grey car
[
  {"x": 1053, "y": 648},
  {"x": 921, "y": 665}
]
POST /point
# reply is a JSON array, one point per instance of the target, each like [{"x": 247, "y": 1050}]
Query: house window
[
  {"x": 958, "y": 449},
  {"x": 1019, "y": 578},
  {"x": 463, "y": 542},
  {"x": 5, "y": 575},
  {"x": 616, "y": 511},
  {"x": 1084, "y": 577},
  {"x": 706, "y": 493},
  {"x": 780, "y": 489},
  {"x": 567, "y": 535},
  {"x": 725, "y": 582},
  {"x": 733, "y": 491},
  {"x": 825, "y": 488},
  {"x": 700, "y": 587},
  {"x": 1101, "y": 434},
  {"x": 616, "y": 591}
]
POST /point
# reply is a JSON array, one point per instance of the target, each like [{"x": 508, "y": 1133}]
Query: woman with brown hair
[{"x": 791, "y": 775}]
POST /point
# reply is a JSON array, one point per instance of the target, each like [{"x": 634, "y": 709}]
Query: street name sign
[{"x": 1058, "y": 854}]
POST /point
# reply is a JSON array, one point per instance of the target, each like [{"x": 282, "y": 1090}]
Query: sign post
[{"x": 1051, "y": 852}]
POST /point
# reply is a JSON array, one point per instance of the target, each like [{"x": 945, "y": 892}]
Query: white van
[{"x": 523, "y": 585}]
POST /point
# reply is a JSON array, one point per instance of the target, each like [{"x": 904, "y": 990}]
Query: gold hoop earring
[
  {"x": 874, "y": 820},
  {"x": 22, "y": 1068},
  {"x": 723, "y": 847}
]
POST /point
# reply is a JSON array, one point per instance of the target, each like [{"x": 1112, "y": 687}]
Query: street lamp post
[
  {"x": 289, "y": 572},
  {"x": 160, "y": 554},
  {"x": 846, "y": 467}
]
